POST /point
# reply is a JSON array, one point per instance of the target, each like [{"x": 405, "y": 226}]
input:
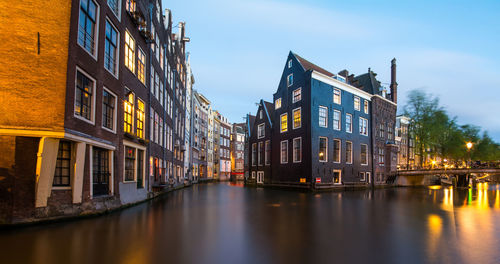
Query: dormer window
[
  {"x": 289, "y": 64},
  {"x": 289, "y": 80},
  {"x": 341, "y": 78},
  {"x": 277, "y": 103}
]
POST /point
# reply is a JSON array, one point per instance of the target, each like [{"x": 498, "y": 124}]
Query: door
[
  {"x": 100, "y": 172},
  {"x": 337, "y": 177}
]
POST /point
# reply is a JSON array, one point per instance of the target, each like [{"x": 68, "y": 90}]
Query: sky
[{"x": 447, "y": 48}]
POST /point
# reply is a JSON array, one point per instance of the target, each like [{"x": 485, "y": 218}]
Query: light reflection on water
[{"x": 222, "y": 223}]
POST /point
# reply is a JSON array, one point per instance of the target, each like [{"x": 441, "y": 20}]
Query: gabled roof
[
  {"x": 368, "y": 83},
  {"x": 250, "y": 123},
  {"x": 270, "y": 110},
  {"x": 307, "y": 65}
]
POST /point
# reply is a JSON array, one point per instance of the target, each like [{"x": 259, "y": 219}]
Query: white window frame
[
  {"x": 326, "y": 149},
  {"x": 362, "y": 177},
  {"x": 293, "y": 117},
  {"x": 260, "y": 177},
  {"x": 267, "y": 146},
  {"x": 289, "y": 63},
  {"x": 367, "y": 175},
  {"x": 277, "y": 103},
  {"x": 117, "y": 55},
  {"x": 281, "y": 129},
  {"x": 111, "y": 171},
  {"x": 261, "y": 127},
  {"x": 362, "y": 122},
  {"x": 347, "y": 160},
  {"x": 260, "y": 159},
  {"x": 136, "y": 147},
  {"x": 366, "y": 107},
  {"x": 114, "y": 111},
  {"x": 299, "y": 91},
  {"x": 337, "y": 124},
  {"x": 281, "y": 152},
  {"x": 339, "y": 151},
  {"x": 326, "y": 117},
  {"x": 289, "y": 81},
  {"x": 96, "y": 39},
  {"x": 340, "y": 177},
  {"x": 348, "y": 129},
  {"x": 92, "y": 121},
  {"x": 118, "y": 16},
  {"x": 253, "y": 174},
  {"x": 360, "y": 152},
  {"x": 295, "y": 160},
  {"x": 357, "y": 103},
  {"x": 339, "y": 97}
]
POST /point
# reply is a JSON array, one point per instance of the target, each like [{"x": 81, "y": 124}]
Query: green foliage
[{"x": 438, "y": 135}]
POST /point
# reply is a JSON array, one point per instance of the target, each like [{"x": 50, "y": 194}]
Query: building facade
[{"x": 238, "y": 152}]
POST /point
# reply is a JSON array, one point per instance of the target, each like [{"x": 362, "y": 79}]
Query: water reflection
[{"x": 220, "y": 223}]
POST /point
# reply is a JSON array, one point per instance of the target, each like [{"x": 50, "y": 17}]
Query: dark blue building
[{"x": 320, "y": 129}]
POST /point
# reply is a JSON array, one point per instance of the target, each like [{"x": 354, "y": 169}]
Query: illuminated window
[
  {"x": 141, "y": 66},
  {"x": 348, "y": 123},
  {"x": 284, "y": 152},
  {"x": 364, "y": 154},
  {"x": 83, "y": 96},
  {"x": 140, "y": 118},
  {"x": 289, "y": 79},
  {"x": 365, "y": 106},
  {"x": 110, "y": 48},
  {"x": 297, "y": 95},
  {"x": 129, "y": 52},
  {"x": 129, "y": 164},
  {"x": 277, "y": 103},
  {"x": 323, "y": 116},
  {"x": 336, "y": 119},
  {"x": 128, "y": 114},
  {"x": 161, "y": 57},
  {"x": 337, "y": 96},
  {"x": 63, "y": 165},
  {"x": 348, "y": 152},
  {"x": 337, "y": 177},
  {"x": 336, "y": 150},
  {"x": 297, "y": 122},
  {"x": 363, "y": 126},
  {"x": 87, "y": 25},
  {"x": 297, "y": 150},
  {"x": 108, "y": 110},
  {"x": 356, "y": 103},
  {"x": 261, "y": 131},
  {"x": 284, "y": 122},
  {"x": 130, "y": 5},
  {"x": 323, "y": 149}
]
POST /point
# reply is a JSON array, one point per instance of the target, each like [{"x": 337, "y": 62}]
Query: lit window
[
  {"x": 337, "y": 176},
  {"x": 261, "y": 131},
  {"x": 356, "y": 103},
  {"x": 111, "y": 42},
  {"x": 62, "y": 172},
  {"x": 130, "y": 5},
  {"x": 323, "y": 149},
  {"x": 140, "y": 118},
  {"x": 128, "y": 113},
  {"x": 284, "y": 152},
  {"x": 297, "y": 118},
  {"x": 348, "y": 152},
  {"x": 336, "y": 119},
  {"x": 337, "y": 96},
  {"x": 365, "y": 104},
  {"x": 336, "y": 150},
  {"x": 323, "y": 116},
  {"x": 277, "y": 103},
  {"x": 141, "y": 66},
  {"x": 108, "y": 110},
  {"x": 297, "y": 150},
  {"x": 87, "y": 25},
  {"x": 129, "y": 164},
  {"x": 364, "y": 154},
  {"x": 297, "y": 95},
  {"x": 289, "y": 80},
  {"x": 348, "y": 123},
  {"x": 129, "y": 52},
  {"x": 83, "y": 95},
  {"x": 363, "y": 126},
  {"x": 284, "y": 123}
]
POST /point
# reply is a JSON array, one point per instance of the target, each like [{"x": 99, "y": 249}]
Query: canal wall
[{"x": 414, "y": 180}]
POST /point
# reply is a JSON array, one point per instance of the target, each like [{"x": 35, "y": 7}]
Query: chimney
[{"x": 394, "y": 84}]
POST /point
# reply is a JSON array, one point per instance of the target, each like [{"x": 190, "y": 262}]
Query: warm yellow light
[
  {"x": 469, "y": 145},
  {"x": 433, "y": 162}
]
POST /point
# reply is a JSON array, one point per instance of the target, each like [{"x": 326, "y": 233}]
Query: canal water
[{"x": 224, "y": 223}]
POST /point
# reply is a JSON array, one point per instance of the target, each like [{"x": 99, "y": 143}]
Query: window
[
  {"x": 365, "y": 104},
  {"x": 260, "y": 152},
  {"x": 389, "y": 131},
  {"x": 108, "y": 110},
  {"x": 87, "y": 25},
  {"x": 284, "y": 123},
  {"x": 297, "y": 122},
  {"x": 129, "y": 52},
  {"x": 348, "y": 152},
  {"x": 284, "y": 152},
  {"x": 364, "y": 154},
  {"x": 336, "y": 119},
  {"x": 254, "y": 154},
  {"x": 110, "y": 49},
  {"x": 348, "y": 123},
  {"x": 381, "y": 131},
  {"x": 114, "y": 5},
  {"x": 356, "y": 103},
  {"x": 268, "y": 152},
  {"x": 261, "y": 132},
  {"x": 289, "y": 80},
  {"x": 128, "y": 114},
  {"x": 323, "y": 148},
  {"x": 129, "y": 163},
  {"x": 141, "y": 66},
  {"x": 381, "y": 156},
  {"x": 290, "y": 64},
  {"x": 297, "y": 95},
  {"x": 156, "y": 128},
  {"x": 363, "y": 126},
  {"x": 253, "y": 174},
  {"x": 337, "y": 177},
  {"x": 83, "y": 96},
  {"x": 140, "y": 118},
  {"x": 261, "y": 115},
  {"x": 337, "y": 96},
  {"x": 362, "y": 176},
  {"x": 297, "y": 150},
  {"x": 336, "y": 150},
  {"x": 323, "y": 116},
  {"x": 277, "y": 103},
  {"x": 130, "y": 5},
  {"x": 63, "y": 165}
]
